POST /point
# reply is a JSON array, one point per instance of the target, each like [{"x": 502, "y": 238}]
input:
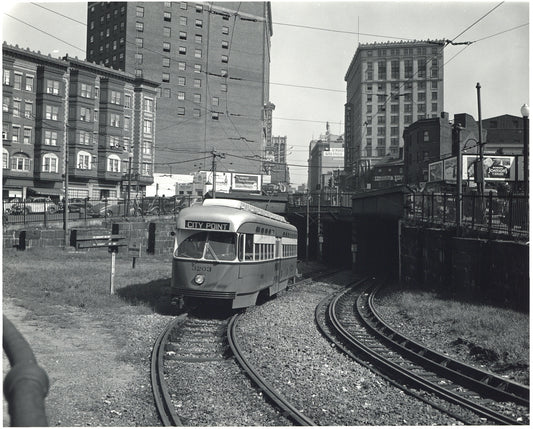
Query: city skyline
[{"x": 313, "y": 44}]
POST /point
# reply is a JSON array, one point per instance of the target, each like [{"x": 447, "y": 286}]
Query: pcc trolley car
[{"x": 230, "y": 250}]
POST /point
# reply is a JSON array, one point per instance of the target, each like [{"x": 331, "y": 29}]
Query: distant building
[
  {"x": 390, "y": 85},
  {"x": 505, "y": 135},
  {"x": 276, "y": 161},
  {"x": 326, "y": 156},
  {"x": 101, "y": 113},
  {"x": 386, "y": 174},
  {"x": 212, "y": 61}
]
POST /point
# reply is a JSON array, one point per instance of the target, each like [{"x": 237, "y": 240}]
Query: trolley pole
[{"x": 214, "y": 169}]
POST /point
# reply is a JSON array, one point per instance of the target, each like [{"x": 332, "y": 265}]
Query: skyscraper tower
[
  {"x": 212, "y": 60},
  {"x": 389, "y": 86}
]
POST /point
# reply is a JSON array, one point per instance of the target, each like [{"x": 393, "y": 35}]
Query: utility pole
[
  {"x": 482, "y": 174},
  {"x": 65, "y": 199},
  {"x": 459, "y": 171},
  {"x": 214, "y": 169},
  {"x": 130, "y": 156}
]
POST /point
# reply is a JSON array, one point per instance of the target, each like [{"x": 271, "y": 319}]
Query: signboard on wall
[
  {"x": 246, "y": 182},
  {"x": 495, "y": 167}
]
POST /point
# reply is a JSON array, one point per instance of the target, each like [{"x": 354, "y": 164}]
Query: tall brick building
[
  {"x": 98, "y": 117},
  {"x": 389, "y": 86},
  {"x": 212, "y": 62}
]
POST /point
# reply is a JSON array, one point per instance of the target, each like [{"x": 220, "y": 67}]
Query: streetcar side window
[
  {"x": 220, "y": 245},
  {"x": 249, "y": 247}
]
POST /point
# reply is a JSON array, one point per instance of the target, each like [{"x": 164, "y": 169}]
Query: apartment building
[
  {"x": 390, "y": 85},
  {"x": 212, "y": 62},
  {"x": 94, "y": 116}
]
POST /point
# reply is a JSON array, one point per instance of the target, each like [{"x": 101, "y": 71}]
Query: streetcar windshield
[{"x": 212, "y": 245}]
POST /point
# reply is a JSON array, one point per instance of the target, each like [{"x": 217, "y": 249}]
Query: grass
[
  {"x": 495, "y": 335},
  {"x": 43, "y": 278}
]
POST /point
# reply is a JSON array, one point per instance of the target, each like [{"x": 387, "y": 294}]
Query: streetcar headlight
[{"x": 199, "y": 279}]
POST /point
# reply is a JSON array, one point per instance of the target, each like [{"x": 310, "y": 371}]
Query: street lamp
[{"x": 524, "y": 110}]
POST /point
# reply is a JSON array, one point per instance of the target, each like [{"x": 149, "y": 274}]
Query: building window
[
  {"x": 5, "y": 104},
  {"x": 52, "y": 87},
  {"x": 181, "y": 95},
  {"x": 84, "y": 138},
  {"x": 183, "y": 35},
  {"x": 426, "y": 136},
  {"x": 17, "y": 83},
  {"x": 85, "y": 114},
  {"x": 115, "y": 97},
  {"x": 166, "y": 62},
  {"x": 223, "y": 87},
  {"x": 434, "y": 107},
  {"x": 421, "y": 96},
  {"x": 50, "y": 163},
  {"x": 16, "y": 108},
  {"x": 183, "y": 5},
  {"x": 381, "y": 119},
  {"x": 127, "y": 123},
  {"x": 368, "y": 108},
  {"x": 224, "y": 73},
  {"x": 395, "y": 69},
  {"x": 181, "y": 111},
  {"x": 166, "y": 47},
  {"x": 29, "y": 83},
  {"x": 198, "y": 38},
  {"x": 7, "y": 77},
  {"x": 139, "y": 11},
  {"x": 422, "y": 68},
  {"x": 434, "y": 84},
  {"x": 199, "y": 8},
  {"x": 138, "y": 58},
  {"x": 15, "y": 135},
  {"x": 166, "y": 77},
  {"x": 198, "y": 53},
  {"x": 183, "y": 20},
  {"x": 139, "y": 42},
  {"x": 225, "y": 44},
  {"x": 382, "y": 70},
  {"x": 26, "y": 138},
  {"x": 167, "y": 31},
  {"x": 197, "y": 68},
  {"x": 381, "y": 131},
  {"x": 407, "y": 119},
  {"x": 196, "y": 113},
  {"x": 182, "y": 50},
  {"x": 421, "y": 108},
  {"x": 28, "y": 109},
  {"x": 114, "y": 142},
  {"x": 113, "y": 164},
  {"x": 148, "y": 127},
  {"x": 198, "y": 23},
  {"x": 166, "y": 93},
  {"x": 139, "y": 26},
  {"x": 224, "y": 59},
  {"x": 394, "y": 131},
  {"x": 197, "y": 83},
  {"x": 394, "y": 119},
  {"x": 215, "y": 116},
  {"x": 148, "y": 105},
  {"x": 182, "y": 65},
  {"x": 138, "y": 73},
  {"x": 147, "y": 147},
  {"x": 20, "y": 162},
  {"x": 5, "y": 159},
  {"x": 181, "y": 81},
  {"x": 197, "y": 98},
  {"x": 146, "y": 169},
  {"x": 127, "y": 101},
  {"x": 167, "y": 16},
  {"x": 51, "y": 112},
  {"x": 225, "y": 30},
  {"x": 408, "y": 107},
  {"x": 114, "y": 120},
  {"x": 368, "y": 131}
]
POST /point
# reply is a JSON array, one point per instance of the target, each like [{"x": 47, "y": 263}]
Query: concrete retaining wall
[{"x": 495, "y": 270}]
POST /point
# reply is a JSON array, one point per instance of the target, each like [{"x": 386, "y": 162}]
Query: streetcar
[{"x": 231, "y": 251}]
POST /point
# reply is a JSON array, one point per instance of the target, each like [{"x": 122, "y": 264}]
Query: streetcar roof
[{"x": 232, "y": 212}]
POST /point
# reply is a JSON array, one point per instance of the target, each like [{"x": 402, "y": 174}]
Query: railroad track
[
  {"x": 188, "y": 339},
  {"x": 440, "y": 381}
]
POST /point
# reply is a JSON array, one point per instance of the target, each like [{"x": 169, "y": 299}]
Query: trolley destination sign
[{"x": 211, "y": 226}]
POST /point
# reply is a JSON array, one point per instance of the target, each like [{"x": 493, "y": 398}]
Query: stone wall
[{"x": 493, "y": 270}]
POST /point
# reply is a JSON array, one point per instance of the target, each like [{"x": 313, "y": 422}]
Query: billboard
[
  {"x": 495, "y": 168},
  {"x": 246, "y": 182}
]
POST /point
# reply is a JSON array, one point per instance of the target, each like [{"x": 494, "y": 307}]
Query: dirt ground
[{"x": 91, "y": 381}]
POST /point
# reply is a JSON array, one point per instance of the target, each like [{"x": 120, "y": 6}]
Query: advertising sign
[
  {"x": 246, "y": 182},
  {"x": 223, "y": 181},
  {"x": 495, "y": 167},
  {"x": 334, "y": 152},
  {"x": 450, "y": 169},
  {"x": 435, "y": 172}
]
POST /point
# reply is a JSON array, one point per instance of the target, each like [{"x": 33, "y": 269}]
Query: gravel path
[{"x": 281, "y": 337}]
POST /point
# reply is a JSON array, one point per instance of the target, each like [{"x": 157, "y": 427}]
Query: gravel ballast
[{"x": 280, "y": 337}]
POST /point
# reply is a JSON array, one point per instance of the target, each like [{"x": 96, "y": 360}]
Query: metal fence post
[
  {"x": 432, "y": 206},
  {"x": 444, "y": 204},
  {"x": 473, "y": 210},
  {"x": 490, "y": 213},
  {"x": 510, "y": 214}
]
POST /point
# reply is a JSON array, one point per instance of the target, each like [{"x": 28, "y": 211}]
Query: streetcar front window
[{"x": 215, "y": 246}]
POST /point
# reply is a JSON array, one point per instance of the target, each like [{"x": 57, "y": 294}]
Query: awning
[{"x": 46, "y": 191}]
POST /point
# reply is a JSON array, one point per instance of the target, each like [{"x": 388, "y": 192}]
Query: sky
[{"x": 314, "y": 42}]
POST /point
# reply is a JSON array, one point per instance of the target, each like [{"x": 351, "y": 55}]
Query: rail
[
  {"x": 506, "y": 216},
  {"x": 26, "y": 384}
]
